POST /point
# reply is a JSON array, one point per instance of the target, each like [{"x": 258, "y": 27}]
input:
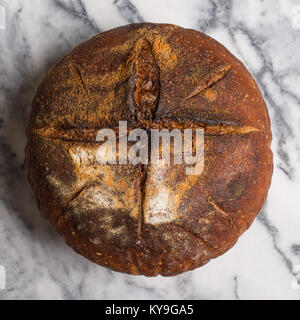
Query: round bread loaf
[{"x": 149, "y": 218}]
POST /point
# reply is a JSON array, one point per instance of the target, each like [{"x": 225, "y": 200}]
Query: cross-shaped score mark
[{"x": 143, "y": 100}]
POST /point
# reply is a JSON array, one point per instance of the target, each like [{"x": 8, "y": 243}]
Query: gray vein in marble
[
  {"x": 128, "y": 11},
  {"x": 274, "y": 233},
  {"x": 77, "y": 9},
  {"x": 296, "y": 249},
  {"x": 213, "y": 15},
  {"x": 236, "y": 287}
]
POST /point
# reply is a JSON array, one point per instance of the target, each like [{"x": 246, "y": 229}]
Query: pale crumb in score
[{"x": 161, "y": 207}]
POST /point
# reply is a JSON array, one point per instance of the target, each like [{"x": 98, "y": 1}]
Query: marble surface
[{"x": 265, "y": 263}]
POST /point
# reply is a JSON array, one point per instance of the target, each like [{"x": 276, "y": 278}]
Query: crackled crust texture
[{"x": 149, "y": 219}]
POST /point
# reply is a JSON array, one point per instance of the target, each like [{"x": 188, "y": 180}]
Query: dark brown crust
[{"x": 153, "y": 76}]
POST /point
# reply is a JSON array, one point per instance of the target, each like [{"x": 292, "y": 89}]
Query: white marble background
[{"x": 265, "y": 263}]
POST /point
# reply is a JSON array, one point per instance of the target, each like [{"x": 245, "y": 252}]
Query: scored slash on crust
[
  {"x": 89, "y": 134},
  {"x": 75, "y": 71},
  {"x": 211, "y": 79}
]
